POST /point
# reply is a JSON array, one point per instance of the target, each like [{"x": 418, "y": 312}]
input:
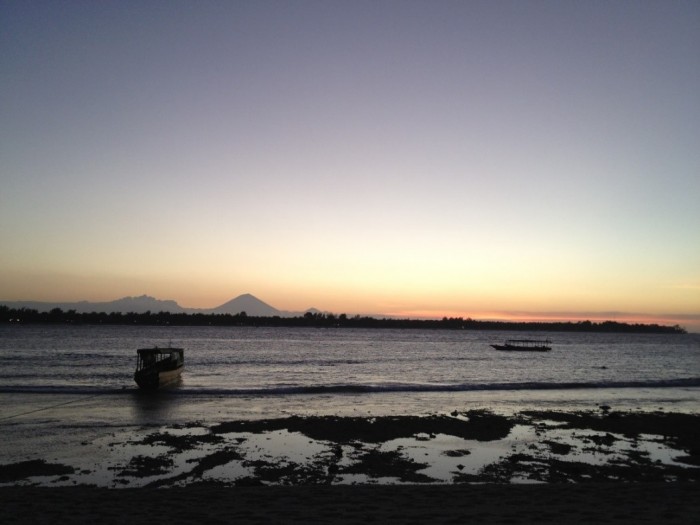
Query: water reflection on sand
[{"x": 534, "y": 447}]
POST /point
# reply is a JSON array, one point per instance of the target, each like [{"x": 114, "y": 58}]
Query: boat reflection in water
[
  {"x": 157, "y": 367},
  {"x": 525, "y": 345}
]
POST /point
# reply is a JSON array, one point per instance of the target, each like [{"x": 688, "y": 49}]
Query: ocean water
[
  {"x": 67, "y": 393},
  {"x": 268, "y": 371}
]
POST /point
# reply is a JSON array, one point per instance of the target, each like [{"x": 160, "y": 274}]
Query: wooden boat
[
  {"x": 156, "y": 367},
  {"x": 525, "y": 345}
]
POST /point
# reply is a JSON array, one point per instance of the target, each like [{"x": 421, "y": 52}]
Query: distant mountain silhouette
[
  {"x": 141, "y": 304},
  {"x": 249, "y": 304},
  {"x": 314, "y": 311}
]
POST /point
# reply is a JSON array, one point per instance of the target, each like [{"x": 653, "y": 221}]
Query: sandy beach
[
  {"x": 475, "y": 466},
  {"x": 551, "y": 503}
]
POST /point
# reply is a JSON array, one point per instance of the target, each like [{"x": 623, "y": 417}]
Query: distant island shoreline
[{"x": 58, "y": 316}]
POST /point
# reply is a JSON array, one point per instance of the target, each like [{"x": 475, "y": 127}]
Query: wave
[
  {"x": 212, "y": 363},
  {"x": 340, "y": 389},
  {"x": 437, "y": 388}
]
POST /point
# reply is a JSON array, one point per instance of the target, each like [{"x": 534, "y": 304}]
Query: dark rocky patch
[
  {"x": 636, "y": 468},
  {"x": 145, "y": 466},
  {"x": 558, "y": 448},
  {"x": 28, "y": 469},
  {"x": 378, "y": 464},
  {"x": 218, "y": 458},
  {"x": 288, "y": 473},
  {"x": 456, "y": 453},
  {"x": 678, "y": 430},
  {"x": 179, "y": 443},
  {"x": 481, "y": 426},
  {"x": 689, "y": 460}
]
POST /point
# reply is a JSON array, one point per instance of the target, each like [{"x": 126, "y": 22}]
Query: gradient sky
[{"x": 484, "y": 159}]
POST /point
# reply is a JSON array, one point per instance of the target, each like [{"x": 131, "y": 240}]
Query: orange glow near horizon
[
  {"x": 425, "y": 299},
  {"x": 358, "y": 301},
  {"x": 554, "y": 317}
]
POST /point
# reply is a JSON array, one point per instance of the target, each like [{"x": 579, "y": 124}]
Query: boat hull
[
  {"x": 512, "y": 348},
  {"x": 154, "y": 379}
]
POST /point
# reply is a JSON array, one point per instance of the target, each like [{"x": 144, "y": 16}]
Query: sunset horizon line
[{"x": 689, "y": 321}]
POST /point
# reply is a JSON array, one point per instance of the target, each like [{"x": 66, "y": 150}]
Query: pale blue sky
[{"x": 383, "y": 157}]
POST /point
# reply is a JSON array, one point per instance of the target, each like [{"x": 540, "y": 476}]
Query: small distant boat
[
  {"x": 525, "y": 345},
  {"x": 157, "y": 367}
]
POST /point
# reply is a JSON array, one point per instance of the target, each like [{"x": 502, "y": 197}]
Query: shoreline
[{"x": 53, "y": 315}]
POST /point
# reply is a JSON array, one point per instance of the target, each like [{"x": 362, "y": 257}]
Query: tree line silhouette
[{"x": 319, "y": 320}]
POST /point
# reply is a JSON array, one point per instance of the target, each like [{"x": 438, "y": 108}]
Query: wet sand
[{"x": 600, "y": 466}]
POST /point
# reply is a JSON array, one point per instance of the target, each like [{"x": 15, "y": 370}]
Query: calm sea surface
[{"x": 264, "y": 369}]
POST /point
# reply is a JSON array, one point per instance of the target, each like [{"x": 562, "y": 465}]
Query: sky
[{"x": 493, "y": 160}]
